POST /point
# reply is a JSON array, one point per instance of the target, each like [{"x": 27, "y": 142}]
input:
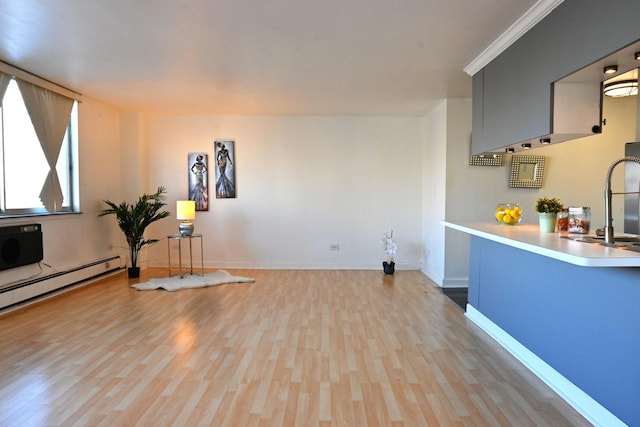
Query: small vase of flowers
[
  {"x": 548, "y": 213},
  {"x": 390, "y": 248}
]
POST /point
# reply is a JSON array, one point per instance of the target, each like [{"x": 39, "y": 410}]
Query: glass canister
[
  {"x": 579, "y": 220},
  {"x": 508, "y": 213},
  {"x": 562, "y": 223}
]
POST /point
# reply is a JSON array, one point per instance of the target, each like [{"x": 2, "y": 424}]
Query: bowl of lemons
[{"x": 508, "y": 213}]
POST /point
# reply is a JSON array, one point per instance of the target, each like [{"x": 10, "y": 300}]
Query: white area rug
[{"x": 189, "y": 281}]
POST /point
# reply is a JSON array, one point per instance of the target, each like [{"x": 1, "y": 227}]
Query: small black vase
[
  {"x": 133, "y": 272},
  {"x": 388, "y": 267}
]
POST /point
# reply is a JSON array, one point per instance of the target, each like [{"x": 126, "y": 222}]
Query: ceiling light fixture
[
  {"x": 637, "y": 56},
  {"x": 526, "y": 146},
  {"x": 621, "y": 88},
  {"x": 545, "y": 141},
  {"x": 510, "y": 150},
  {"x": 610, "y": 69}
]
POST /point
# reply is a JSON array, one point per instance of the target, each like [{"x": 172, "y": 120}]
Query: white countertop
[{"x": 529, "y": 238}]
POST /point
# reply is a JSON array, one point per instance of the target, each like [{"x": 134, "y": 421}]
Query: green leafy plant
[
  {"x": 545, "y": 204},
  {"x": 134, "y": 219}
]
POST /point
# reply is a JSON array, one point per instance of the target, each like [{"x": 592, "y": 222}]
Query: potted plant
[
  {"x": 134, "y": 219},
  {"x": 548, "y": 213},
  {"x": 390, "y": 248}
]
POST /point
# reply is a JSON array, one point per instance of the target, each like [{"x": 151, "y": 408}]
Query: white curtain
[
  {"x": 50, "y": 113},
  {"x": 4, "y": 82}
]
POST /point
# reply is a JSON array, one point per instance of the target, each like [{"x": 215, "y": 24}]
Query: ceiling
[{"x": 256, "y": 57}]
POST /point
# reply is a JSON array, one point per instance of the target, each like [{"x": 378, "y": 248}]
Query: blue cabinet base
[{"x": 582, "y": 322}]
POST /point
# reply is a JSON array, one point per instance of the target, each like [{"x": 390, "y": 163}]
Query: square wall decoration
[
  {"x": 225, "y": 169},
  {"x": 199, "y": 180},
  {"x": 526, "y": 171}
]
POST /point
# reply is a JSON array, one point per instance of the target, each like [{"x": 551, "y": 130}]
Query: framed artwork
[
  {"x": 199, "y": 180},
  {"x": 526, "y": 171},
  {"x": 225, "y": 169}
]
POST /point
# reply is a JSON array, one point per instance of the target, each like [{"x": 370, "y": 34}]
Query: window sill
[{"x": 37, "y": 214}]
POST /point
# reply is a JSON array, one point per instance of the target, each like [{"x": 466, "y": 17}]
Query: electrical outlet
[{"x": 334, "y": 247}]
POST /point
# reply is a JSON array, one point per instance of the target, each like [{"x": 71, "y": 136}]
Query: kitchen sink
[{"x": 631, "y": 243}]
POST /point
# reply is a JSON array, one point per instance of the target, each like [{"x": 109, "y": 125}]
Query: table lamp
[{"x": 186, "y": 212}]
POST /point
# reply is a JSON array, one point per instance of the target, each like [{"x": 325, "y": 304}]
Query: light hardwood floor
[{"x": 295, "y": 348}]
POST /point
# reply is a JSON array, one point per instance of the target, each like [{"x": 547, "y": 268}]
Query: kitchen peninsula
[{"x": 567, "y": 309}]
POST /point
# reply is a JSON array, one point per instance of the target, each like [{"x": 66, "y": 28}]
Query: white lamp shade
[{"x": 185, "y": 209}]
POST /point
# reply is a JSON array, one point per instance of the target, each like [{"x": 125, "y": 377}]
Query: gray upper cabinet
[
  {"x": 516, "y": 98},
  {"x": 477, "y": 105}
]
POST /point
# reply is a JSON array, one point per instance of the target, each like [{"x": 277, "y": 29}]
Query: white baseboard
[
  {"x": 589, "y": 408},
  {"x": 456, "y": 283},
  {"x": 284, "y": 266}
]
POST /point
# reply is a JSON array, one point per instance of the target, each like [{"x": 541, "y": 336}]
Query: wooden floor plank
[{"x": 294, "y": 348}]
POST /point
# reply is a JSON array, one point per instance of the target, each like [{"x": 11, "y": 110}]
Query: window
[{"x": 27, "y": 183}]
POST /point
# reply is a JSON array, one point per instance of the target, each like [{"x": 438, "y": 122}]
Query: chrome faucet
[{"x": 608, "y": 220}]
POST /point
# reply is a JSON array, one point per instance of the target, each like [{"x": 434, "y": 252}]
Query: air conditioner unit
[{"x": 20, "y": 245}]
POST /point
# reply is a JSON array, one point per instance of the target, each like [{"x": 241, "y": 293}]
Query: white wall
[
  {"x": 134, "y": 160},
  {"x": 303, "y": 184},
  {"x": 460, "y": 202},
  {"x": 575, "y": 170},
  {"x": 434, "y": 152},
  {"x": 454, "y": 191}
]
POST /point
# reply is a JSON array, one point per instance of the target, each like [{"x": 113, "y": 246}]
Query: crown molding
[{"x": 531, "y": 17}]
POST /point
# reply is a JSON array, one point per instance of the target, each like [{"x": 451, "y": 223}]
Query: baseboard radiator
[{"x": 39, "y": 287}]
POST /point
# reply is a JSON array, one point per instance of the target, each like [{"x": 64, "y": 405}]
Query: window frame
[{"x": 71, "y": 153}]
